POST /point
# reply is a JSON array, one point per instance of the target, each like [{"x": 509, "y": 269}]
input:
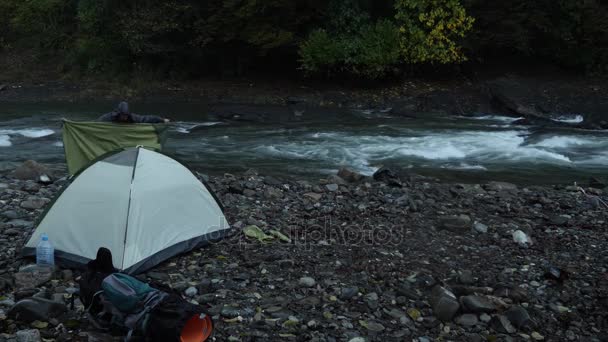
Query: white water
[
  {"x": 5, "y": 134},
  {"x": 571, "y": 119},
  {"x": 478, "y": 145},
  {"x": 467, "y": 149}
]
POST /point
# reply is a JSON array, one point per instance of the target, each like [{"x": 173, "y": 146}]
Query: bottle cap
[{"x": 45, "y": 237}]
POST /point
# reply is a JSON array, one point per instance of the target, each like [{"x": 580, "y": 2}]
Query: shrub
[{"x": 430, "y": 30}]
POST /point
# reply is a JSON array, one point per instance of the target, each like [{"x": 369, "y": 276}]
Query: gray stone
[
  {"x": 484, "y": 317},
  {"x": 347, "y": 293},
  {"x": 273, "y": 193},
  {"x": 233, "y": 312},
  {"x": 518, "y": 316},
  {"x": 375, "y": 327},
  {"x": 307, "y": 282},
  {"x": 444, "y": 303},
  {"x": 396, "y": 313},
  {"x": 332, "y": 187},
  {"x": 29, "y": 335},
  {"x": 34, "y": 203},
  {"x": 457, "y": 224},
  {"x": 502, "y": 325},
  {"x": 480, "y": 227},
  {"x": 313, "y": 196},
  {"x": 21, "y": 223},
  {"x": 371, "y": 299},
  {"x": 191, "y": 291},
  {"x": 12, "y": 214},
  {"x": 559, "y": 220},
  {"x": 31, "y": 309},
  {"x": 336, "y": 179},
  {"x": 12, "y": 232},
  {"x": 467, "y": 320},
  {"x": 477, "y": 304},
  {"x": 466, "y": 277},
  {"x": 33, "y": 276}
]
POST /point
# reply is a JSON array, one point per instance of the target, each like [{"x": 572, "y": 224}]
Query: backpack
[
  {"x": 127, "y": 305},
  {"x": 128, "y": 300}
]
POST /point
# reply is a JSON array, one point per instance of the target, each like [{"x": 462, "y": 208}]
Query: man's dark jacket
[{"x": 133, "y": 118}]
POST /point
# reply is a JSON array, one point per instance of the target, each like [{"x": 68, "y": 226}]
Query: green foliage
[
  {"x": 571, "y": 33},
  {"x": 46, "y": 23},
  {"x": 364, "y": 38},
  {"x": 431, "y": 29},
  {"x": 351, "y": 45}
]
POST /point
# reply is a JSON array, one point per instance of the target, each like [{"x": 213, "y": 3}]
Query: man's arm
[
  {"x": 147, "y": 119},
  {"x": 106, "y": 117}
]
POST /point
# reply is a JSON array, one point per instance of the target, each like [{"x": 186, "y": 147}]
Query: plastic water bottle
[{"x": 45, "y": 253}]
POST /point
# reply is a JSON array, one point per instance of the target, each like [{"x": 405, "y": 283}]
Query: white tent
[{"x": 142, "y": 205}]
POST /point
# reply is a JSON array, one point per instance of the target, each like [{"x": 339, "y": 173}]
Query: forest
[{"x": 363, "y": 39}]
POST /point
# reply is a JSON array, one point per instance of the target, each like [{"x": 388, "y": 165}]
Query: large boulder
[
  {"x": 388, "y": 176},
  {"x": 31, "y": 170},
  {"x": 32, "y": 309}
]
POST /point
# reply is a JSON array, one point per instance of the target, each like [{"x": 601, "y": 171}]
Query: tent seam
[{"x": 124, "y": 242}]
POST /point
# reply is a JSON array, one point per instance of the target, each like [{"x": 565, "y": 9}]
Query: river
[{"x": 315, "y": 143}]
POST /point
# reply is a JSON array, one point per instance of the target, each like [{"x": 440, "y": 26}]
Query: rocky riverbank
[
  {"x": 549, "y": 100},
  {"x": 359, "y": 259}
]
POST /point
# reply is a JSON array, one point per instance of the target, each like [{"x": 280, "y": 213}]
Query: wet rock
[
  {"x": 349, "y": 175},
  {"x": 34, "y": 203},
  {"x": 518, "y": 316},
  {"x": 388, "y": 176},
  {"x": 33, "y": 276},
  {"x": 31, "y": 170},
  {"x": 32, "y": 309},
  {"x": 444, "y": 303},
  {"x": 467, "y": 320},
  {"x": 30, "y": 335},
  {"x": 521, "y": 238},
  {"x": 456, "y": 224},
  {"x": 307, "y": 282},
  {"x": 477, "y": 304}
]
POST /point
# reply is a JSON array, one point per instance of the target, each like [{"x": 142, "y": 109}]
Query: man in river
[{"x": 122, "y": 115}]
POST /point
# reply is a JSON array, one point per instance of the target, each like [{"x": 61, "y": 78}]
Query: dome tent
[{"x": 142, "y": 205}]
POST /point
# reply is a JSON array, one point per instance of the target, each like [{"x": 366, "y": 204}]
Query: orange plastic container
[{"x": 197, "y": 329}]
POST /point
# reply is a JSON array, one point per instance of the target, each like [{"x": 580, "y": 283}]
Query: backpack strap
[{"x": 137, "y": 320}]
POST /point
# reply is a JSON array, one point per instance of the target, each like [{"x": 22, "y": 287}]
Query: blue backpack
[{"x": 128, "y": 301}]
